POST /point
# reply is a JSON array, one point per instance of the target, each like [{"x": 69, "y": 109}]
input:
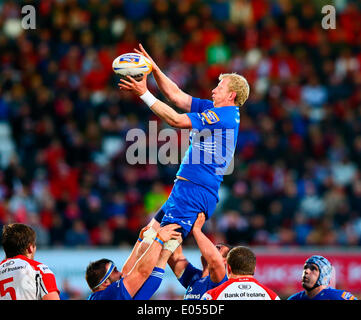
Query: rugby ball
[{"x": 132, "y": 64}]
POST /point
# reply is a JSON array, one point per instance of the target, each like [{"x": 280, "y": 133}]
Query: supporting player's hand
[
  {"x": 168, "y": 232},
  {"x": 138, "y": 87},
  {"x": 198, "y": 224},
  {"x": 145, "y": 53}
]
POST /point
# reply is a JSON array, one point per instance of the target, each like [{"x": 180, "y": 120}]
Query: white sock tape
[
  {"x": 148, "y": 98},
  {"x": 171, "y": 245},
  {"x": 149, "y": 235}
]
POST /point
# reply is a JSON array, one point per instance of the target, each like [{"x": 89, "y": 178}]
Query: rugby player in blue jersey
[
  {"x": 316, "y": 278},
  {"x": 196, "y": 281},
  {"x": 214, "y": 130},
  {"x": 143, "y": 276}
]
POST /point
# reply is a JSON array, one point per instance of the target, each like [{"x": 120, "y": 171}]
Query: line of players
[
  {"x": 192, "y": 201},
  {"x": 227, "y": 274}
]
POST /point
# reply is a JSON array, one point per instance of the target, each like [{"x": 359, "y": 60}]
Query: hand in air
[
  {"x": 168, "y": 232},
  {"x": 145, "y": 53},
  {"x": 198, "y": 224},
  {"x": 130, "y": 84}
]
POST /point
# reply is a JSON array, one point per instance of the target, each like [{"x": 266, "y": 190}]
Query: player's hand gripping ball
[{"x": 132, "y": 64}]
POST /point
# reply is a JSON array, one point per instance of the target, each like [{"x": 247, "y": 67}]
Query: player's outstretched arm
[
  {"x": 146, "y": 263},
  {"x": 133, "y": 257},
  {"x": 178, "y": 262},
  {"x": 209, "y": 251},
  {"x": 161, "y": 109},
  {"x": 168, "y": 87}
]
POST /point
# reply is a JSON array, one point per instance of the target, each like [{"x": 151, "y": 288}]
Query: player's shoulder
[
  {"x": 338, "y": 294},
  {"x": 38, "y": 266},
  {"x": 273, "y": 295},
  {"x": 227, "y": 114},
  {"x": 199, "y": 105},
  {"x": 215, "y": 292},
  {"x": 297, "y": 296}
]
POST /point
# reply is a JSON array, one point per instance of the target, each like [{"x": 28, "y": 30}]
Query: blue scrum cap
[{"x": 324, "y": 267}]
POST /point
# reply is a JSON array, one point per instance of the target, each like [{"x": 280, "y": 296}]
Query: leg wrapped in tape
[{"x": 171, "y": 245}]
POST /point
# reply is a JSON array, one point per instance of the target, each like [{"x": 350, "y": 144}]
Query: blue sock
[{"x": 151, "y": 285}]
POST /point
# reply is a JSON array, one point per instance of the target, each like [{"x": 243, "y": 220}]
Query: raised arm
[
  {"x": 168, "y": 87},
  {"x": 146, "y": 263},
  {"x": 162, "y": 110},
  {"x": 216, "y": 267},
  {"x": 133, "y": 257},
  {"x": 178, "y": 262}
]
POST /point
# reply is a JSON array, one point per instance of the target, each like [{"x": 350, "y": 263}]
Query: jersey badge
[{"x": 210, "y": 117}]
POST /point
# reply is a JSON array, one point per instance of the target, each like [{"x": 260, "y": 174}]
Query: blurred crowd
[{"x": 63, "y": 121}]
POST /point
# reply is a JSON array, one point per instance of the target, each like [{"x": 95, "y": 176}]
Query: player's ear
[
  {"x": 31, "y": 250},
  {"x": 232, "y": 95},
  {"x": 228, "y": 269}
]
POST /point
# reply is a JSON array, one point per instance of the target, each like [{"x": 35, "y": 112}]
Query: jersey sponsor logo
[
  {"x": 347, "y": 296},
  {"x": 244, "y": 286},
  {"x": 244, "y": 291},
  {"x": 9, "y": 263},
  {"x": 44, "y": 268},
  {"x": 192, "y": 296},
  {"x": 210, "y": 117},
  {"x": 239, "y": 295},
  {"x": 15, "y": 268}
]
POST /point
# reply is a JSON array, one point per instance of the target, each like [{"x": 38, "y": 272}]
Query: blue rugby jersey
[
  {"x": 212, "y": 144},
  {"x": 326, "y": 294},
  {"x": 196, "y": 286},
  {"x": 115, "y": 291}
]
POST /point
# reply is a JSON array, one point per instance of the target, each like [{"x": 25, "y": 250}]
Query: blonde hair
[{"x": 239, "y": 85}]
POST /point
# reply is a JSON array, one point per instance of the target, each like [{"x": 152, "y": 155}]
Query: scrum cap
[{"x": 325, "y": 268}]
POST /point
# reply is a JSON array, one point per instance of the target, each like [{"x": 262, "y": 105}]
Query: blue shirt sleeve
[
  {"x": 345, "y": 295},
  {"x": 216, "y": 284},
  {"x": 116, "y": 291},
  {"x": 295, "y": 296},
  {"x": 190, "y": 275},
  {"x": 151, "y": 285},
  {"x": 199, "y": 105}
]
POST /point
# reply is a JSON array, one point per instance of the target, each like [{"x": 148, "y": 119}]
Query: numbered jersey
[
  {"x": 25, "y": 279},
  {"x": 243, "y": 288}
]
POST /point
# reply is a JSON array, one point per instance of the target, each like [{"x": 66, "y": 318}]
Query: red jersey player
[
  {"x": 241, "y": 264},
  {"x": 21, "y": 277}
]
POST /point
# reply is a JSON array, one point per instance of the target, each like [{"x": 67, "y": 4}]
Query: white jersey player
[
  {"x": 242, "y": 288},
  {"x": 25, "y": 279},
  {"x": 241, "y": 264},
  {"x": 21, "y": 277}
]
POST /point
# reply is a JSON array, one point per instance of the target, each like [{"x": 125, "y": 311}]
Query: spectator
[{"x": 77, "y": 235}]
